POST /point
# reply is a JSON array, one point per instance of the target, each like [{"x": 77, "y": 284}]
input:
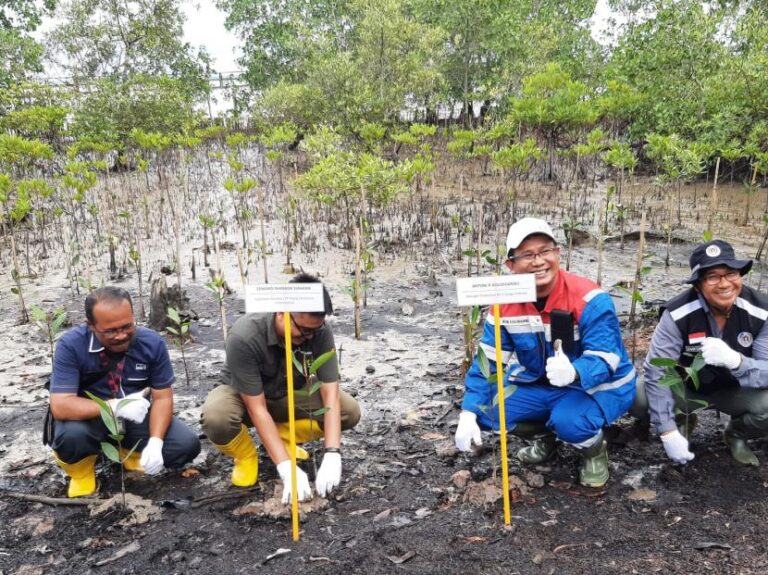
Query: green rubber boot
[
  {"x": 540, "y": 450},
  {"x": 738, "y": 445},
  {"x": 593, "y": 471}
]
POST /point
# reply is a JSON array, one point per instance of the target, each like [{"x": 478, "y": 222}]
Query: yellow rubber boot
[
  {"x": 82, "y": 475},
  {"x": 133, "y": 463},
  {"x": 306, "y": 430},
  {"x": 241, "y": 448}
]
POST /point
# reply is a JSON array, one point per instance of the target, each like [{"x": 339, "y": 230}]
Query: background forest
[{"x": 346, "y": 108}]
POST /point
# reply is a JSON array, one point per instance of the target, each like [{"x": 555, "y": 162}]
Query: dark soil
[{"x": 401, "y": 507}]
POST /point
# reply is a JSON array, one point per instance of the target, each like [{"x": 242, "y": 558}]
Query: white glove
[
  {"x": 134, "y": 410},
  {"x": 716, "y": 352},
  {"x": 676, "y": 447},
  {"x": 560, "y": 370},
  {"x": 152, "y": 456},
  {"x": 468, "y": 432},
  {"x": 302, "y": 482},
  {"x": 329, "y": 474}
]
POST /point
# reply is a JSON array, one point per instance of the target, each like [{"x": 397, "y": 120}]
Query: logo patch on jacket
[
  {"x": 744, "y": 339},
  {"x": 141, "y": 367},
  {"x": 697, "y": 337}
]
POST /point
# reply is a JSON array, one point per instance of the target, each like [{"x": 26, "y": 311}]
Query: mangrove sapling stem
[
  {"x": 479, "y": 236},
  {"x": 750, "y": 191},
  {"x": 669, "y": 231},
  {"x": 358, "y": 283},
  {"x": 713, "y": 205},
  {"x": 17, "y": 278},
  {"x": 600, "y": 247},
  {"x": 262, "y": 206},
  {"x": 636, "y": 285}
]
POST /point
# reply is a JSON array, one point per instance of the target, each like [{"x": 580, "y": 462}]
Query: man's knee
[
  {"x": 219, "y": 419},
  {"x": 182, "y": 445},
  {"x": 575, "y": 429},
  {"x": 350, "y": 412},
  {"x": 72, "y": 440}
]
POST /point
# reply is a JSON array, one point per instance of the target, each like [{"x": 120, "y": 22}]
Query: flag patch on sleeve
[{"x": 697, "y": 337}]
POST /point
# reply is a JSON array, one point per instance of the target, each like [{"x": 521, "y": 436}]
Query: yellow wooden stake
[
  {"x": 291, "y": 425},
  {"x": 502, "y": 415}
]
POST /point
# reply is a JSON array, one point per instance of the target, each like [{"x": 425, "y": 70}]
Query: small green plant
[
  {"x": 49, "y": 323},
  {"x": 114, "y": 426},
  {"x": 309, "y": 369},
  {"x": 471, "y": 318},
  {"x": 218, "y": 287},
  {"x": 180, "y": 329},
  {"x": 485, "y": 369},
  {"x": 678, "y": 377}
]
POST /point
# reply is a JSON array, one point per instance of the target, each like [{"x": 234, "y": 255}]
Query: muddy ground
[{"x": 408, "y": 502}]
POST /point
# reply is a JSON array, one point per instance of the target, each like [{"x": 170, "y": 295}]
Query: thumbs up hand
[{"x": 560, "y": 370}]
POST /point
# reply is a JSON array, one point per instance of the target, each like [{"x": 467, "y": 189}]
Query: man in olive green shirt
[{"x": 255, "y": 394}]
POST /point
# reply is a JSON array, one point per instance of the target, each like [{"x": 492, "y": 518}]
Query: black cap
[{"x": 713, "y": 254}]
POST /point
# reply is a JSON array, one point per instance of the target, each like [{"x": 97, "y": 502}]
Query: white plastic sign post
[
  {"x": 517, "y": 288},
  {"x": 287, "y": 298},
  {"x": 262, "y": 298}
]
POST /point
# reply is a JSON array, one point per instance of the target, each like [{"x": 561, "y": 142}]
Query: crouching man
[
  {"x": 568, "y": 394},
  {"x": 255, "y": 392},
  {"x": 725, "y": 321},
  {"x": 112, "y": 358}
]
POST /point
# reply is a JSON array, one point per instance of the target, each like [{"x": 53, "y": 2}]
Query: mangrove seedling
[
  {"x": 116, "y": 434},
  {"x": 180, "y": 329},
  {"x": 49, "y": 323},
  {"x": 678, "y": 378}
]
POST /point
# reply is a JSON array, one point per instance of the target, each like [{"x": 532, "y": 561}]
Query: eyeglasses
[
  {"x": 307, "y": 331},
  {"x": 114, "y": 332},
  {"x": 714, "y": 278},
  {"x": 529, "y": 257}
]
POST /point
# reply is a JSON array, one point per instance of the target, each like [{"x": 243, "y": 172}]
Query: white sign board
[
  {"x": 514, "y": 288},
  {"x": 284, "y": 297}
]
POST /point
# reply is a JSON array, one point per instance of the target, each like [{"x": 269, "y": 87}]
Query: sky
[{"x": 205, "y": 27}]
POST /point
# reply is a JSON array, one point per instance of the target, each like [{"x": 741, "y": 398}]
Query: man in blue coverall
[{"x": 568, "y": 395}]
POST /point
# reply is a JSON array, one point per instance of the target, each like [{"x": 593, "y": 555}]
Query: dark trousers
[{"x": 74, "y": 440}]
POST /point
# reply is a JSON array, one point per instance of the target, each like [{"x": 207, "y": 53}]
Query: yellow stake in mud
[
  {"x": 502, "y": 414},
  {"x": 291, "y": 425}
]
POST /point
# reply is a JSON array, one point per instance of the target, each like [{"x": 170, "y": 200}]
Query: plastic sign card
[
  {"x": 261, "y": 298},
  {"x": 513, "y": 288}
]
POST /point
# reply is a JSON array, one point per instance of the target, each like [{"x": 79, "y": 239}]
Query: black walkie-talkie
[{"x": 561, "y": 327}]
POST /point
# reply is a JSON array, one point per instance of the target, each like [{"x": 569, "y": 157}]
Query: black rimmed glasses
[
  {"x": 529, "y": 257},
  {"x": 115, "y": 331},
  {"x": 714, "y": 278},
  {"x": 307, "y": 331}
]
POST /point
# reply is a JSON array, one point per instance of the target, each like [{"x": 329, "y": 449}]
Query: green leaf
[
  {"x": 174, "y": 315},
  {"x": 320, "y": 411},
  {"x": 321, "y": 361},
  {"x": 698, "y": 363},
  {"x": 297, "y": 364},
  {"x": 110, "y": 451},
  {"x": 109, "y": 418},
  {"x": 315, "y": 386},
  {"x": 301, "y": 393},
  {"x": 508, "y": 390},
  {"x": 483, "y": 363},
  {"x": 670, "y": 380},
  {"x": 694, "y": 377},
  {"x": 172, "y": 330},
  {"x": 663, "y": 362}
]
